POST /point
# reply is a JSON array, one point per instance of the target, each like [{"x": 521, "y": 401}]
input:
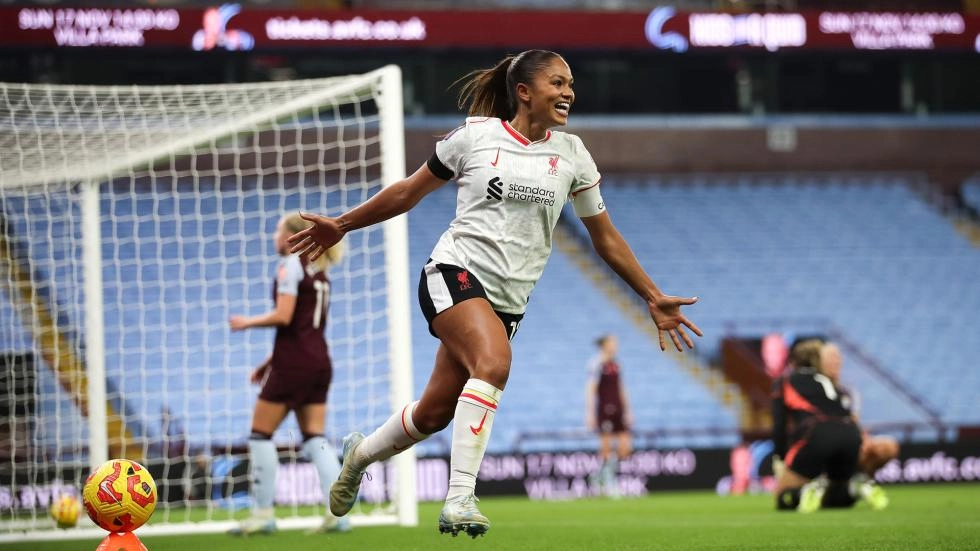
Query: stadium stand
[
  {"x": 546, "y": 390},
  {"x": 970, "y": 192},
  {"x": 172, "y": 236},
  {"x": 861, "y": 254}
]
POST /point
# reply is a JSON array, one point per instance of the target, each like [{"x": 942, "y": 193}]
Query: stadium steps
[
  {"x": 712, "y": 380},
  {"x": 968, "y": 229},
  {"x": 963, "y": 214}
]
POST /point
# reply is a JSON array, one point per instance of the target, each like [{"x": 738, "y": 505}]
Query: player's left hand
[
  {"x": 666, "y": 313},
  {"x": 237, "y": 323}
]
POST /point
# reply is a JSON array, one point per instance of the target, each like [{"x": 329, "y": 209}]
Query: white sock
[
  {"x": 609, "y": 477},
  {"x": 324, "y": 458},
  {"x": 471, "y": 431},
  {"x": 264, "y": 463},
  {"x": 607, "y": 471},
  {"x": 396, "y": 435}
]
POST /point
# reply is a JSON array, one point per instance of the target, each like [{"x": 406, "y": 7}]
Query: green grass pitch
[{"x": 919, "y": 518}]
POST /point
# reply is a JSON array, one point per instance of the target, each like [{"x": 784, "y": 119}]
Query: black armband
[{"x": 439, "y": 169}]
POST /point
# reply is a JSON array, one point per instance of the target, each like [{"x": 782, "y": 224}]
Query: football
[
  {"x": 120, "y": 495},
  {"x": 65, "y": 510}
]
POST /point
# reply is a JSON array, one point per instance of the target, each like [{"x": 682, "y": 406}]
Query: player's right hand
[
  {"x": 666, "y": 313},
  {"x": 316, "y": 239}
]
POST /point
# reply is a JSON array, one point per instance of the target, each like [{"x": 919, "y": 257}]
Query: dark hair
[
  {"x": 491, "y": 92},
  {"x": 599, "y": 342}
]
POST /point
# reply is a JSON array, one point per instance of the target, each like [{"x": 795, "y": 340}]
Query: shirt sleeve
[
  {"x": 451, "y": 150},
  {"x": 290, "y": 274},
  {"x": 586, "y": 198}
]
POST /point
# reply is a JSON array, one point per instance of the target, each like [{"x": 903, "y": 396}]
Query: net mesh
[{"x": 192, "y": 182}]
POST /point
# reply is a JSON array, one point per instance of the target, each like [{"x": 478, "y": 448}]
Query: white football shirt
[{"x": 511, "y": 193}]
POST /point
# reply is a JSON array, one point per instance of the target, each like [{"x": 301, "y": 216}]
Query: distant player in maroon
[
  {"x": 295, "y": 377},
  {"x": 302, "y": 362},
  {"x": 823, "y": 438},
  {"x": 607, "y": 411}
]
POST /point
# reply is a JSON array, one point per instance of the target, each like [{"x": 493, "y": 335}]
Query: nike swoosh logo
[
  {"x": 494, "y": 163},
  {"x": 107, "y": 488},
  {"x": 477, "y": 430},
  {"x": 397, "y": 449}
]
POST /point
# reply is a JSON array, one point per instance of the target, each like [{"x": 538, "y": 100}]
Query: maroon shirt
[
  {"x": 302, "y": 344},
  {"x": 606, "y": 374}
]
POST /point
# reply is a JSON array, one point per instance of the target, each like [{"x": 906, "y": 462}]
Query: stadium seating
[
  {"x": 971, "y": 193},
  {"x": 184, "y": 355},
  {"x": 546, "y": 390},
  {"x": 862, "y": 255}
]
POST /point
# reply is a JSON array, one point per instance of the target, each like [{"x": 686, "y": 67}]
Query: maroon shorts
[
  {"x": 296, "y": 387},
  {"x": 610, "y": 420}
]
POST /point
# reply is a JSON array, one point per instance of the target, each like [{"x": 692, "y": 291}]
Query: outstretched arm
[
  {"x": 391, "y": 201},
  {"x": 664, "y": 309}
]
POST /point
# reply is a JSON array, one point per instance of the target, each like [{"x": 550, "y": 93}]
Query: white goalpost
[{"x": 134, "y": 221}]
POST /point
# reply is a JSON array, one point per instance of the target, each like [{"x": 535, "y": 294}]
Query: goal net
[{"x": 134, "y": 221}]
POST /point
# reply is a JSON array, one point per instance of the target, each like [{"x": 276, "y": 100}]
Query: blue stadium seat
[{"x": 971, "y": 192}]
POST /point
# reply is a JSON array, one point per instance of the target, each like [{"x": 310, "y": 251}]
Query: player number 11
[{"x": 321, "y": 288}]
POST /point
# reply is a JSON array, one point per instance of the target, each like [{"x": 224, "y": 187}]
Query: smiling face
[{"x": 549, "y": 95}]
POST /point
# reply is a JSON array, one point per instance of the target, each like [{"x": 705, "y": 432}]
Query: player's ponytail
[
  {"x": 492, "y": 92},
  {"x": 296, "y": 223}
]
